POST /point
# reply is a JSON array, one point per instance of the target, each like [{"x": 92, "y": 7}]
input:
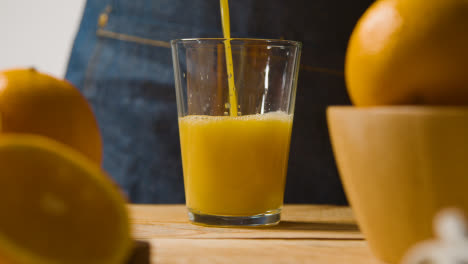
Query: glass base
[{"x": 267, "y": 219}]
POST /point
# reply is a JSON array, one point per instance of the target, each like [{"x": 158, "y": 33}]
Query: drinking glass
[{"x": 235, "y": 157}]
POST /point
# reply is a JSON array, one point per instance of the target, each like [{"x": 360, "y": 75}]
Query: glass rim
[{"x": 282, "y": 42}]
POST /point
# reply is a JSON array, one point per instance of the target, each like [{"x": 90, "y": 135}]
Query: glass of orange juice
[{"x": 235, "y": 107}]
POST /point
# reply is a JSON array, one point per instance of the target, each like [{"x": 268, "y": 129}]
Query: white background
[{"x": 38, "y": 33}]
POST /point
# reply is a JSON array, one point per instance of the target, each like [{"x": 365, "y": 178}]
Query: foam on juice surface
[{"x": 277, "y": 116}]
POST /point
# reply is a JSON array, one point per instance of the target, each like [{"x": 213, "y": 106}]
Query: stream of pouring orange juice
[
  {"x": 235, "y": 165},
  {"x": 228, "y": 51}
]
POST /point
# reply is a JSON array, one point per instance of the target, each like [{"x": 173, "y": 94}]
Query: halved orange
[{"x": 57, "y": 206}]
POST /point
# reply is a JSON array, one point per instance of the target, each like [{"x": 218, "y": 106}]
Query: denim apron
[{"x": 121, "y": 61}]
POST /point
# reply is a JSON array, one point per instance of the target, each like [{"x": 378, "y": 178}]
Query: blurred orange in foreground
[
  {"x": 35, "y": 103},
  {"x": 58, "y": 206}
]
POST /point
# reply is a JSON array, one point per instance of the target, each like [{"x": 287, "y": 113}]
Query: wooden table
[{"x": 306, "y": 234}]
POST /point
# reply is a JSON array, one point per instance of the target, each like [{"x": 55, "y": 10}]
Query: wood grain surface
[{"x": 306, "y": 234}]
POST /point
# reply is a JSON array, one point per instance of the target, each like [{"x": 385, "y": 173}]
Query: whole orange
[
  {"x": 36, "y": 103},
  {"x": 410, "y": 52}
]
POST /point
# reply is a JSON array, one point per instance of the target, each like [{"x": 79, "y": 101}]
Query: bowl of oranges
[{"x": 401, "y": 149}]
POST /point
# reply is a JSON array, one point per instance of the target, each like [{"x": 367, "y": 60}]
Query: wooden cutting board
[{"x": 307, "y": 234}]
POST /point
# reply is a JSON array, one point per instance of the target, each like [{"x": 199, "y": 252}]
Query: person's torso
[{"x": 124, "y": 67}]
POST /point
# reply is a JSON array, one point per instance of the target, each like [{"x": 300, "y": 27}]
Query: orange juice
[{"x": 235, "y": 165}]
